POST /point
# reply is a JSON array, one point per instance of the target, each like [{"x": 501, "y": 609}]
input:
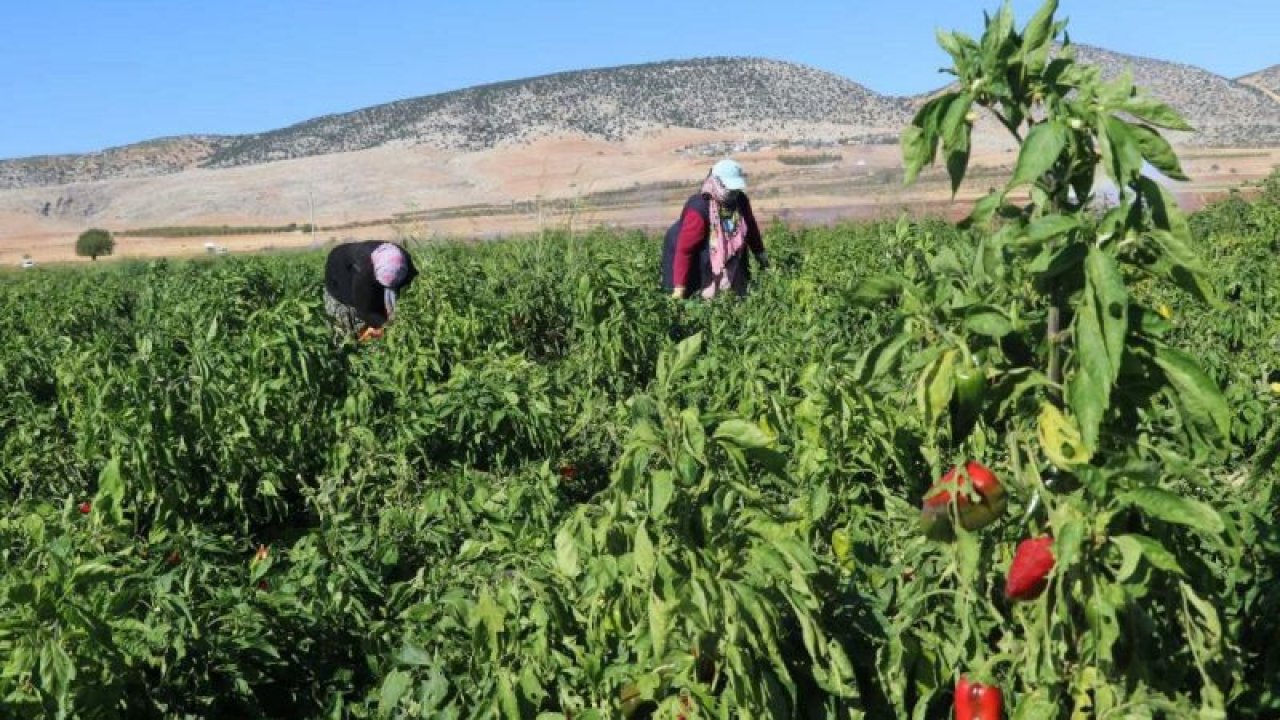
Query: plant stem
[
  {"x": 1008, "y": 125},
  {"x": 1052, "y": 334}
]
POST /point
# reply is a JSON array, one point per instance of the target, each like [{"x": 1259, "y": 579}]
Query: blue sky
[{"x": 80, "y": 75}]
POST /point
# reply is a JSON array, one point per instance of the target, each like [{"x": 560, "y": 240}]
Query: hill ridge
[{"x": 778, "y": 97}]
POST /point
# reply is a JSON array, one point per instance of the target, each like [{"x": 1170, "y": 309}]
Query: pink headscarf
[
  {"x": 389, "y": 268},
  {"x": 725, "y": 246}
]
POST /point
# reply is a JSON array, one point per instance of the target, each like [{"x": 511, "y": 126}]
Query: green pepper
[{"x": 966, "y": 402}]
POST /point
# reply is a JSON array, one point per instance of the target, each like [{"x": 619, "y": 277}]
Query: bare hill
[
  {"x": 145, "y": 159},
  {"x": 1224, "y": 112},
  {"x": 609, "y": 103},
  {"x": 1267, "y": 80}
]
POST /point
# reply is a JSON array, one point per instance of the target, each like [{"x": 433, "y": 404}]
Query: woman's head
[
  {"x": 390, "y": 265},
  {"x": 730, "y": 175},
  {"x": 391, "y": 268},
  {"x": 726, "y": 184}
]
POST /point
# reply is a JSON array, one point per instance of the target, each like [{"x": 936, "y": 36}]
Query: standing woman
[
  {"x": 703, "y": 253},
  {"x": 361, "y": 280}
]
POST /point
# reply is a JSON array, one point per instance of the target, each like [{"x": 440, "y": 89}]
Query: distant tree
[{"x": 95, "y": 242}]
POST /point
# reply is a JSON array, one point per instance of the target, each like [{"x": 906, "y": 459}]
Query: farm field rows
[
  {"x": 1021, "y": 466},
  {"x": 552, "y": 490}
]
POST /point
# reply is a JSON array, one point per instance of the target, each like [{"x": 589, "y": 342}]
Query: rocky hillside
[
  {"x": 1267, "y": 80},
  {"x": 144, "y": 159},
  {"x": 777, "y": 99},
  {"x": 607, "y": 103},
  {"x": 1224, "y": 112}
]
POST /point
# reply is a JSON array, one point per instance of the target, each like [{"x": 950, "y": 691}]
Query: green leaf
[
  {"x": 662, "y": 487},
  {"x": 93, "y": 572},
  {"x": 658, "y": 624},
  {"x": 1052, "y": 263},
  {"x": 1060, "y": 438},
  {"x": 743, "y": 434},
  {"x": 881, "y": 358},
  {"x": 1130, "y": 556},
  {"x": 955, "y": 139},
  {"x": 567, "y": 552},
  {"x": 1039, "y": 152},
  {"x": 1066, "y": 544},
  {"x": 920, "y": 138},
  {"x": 948, "y": 41},
  {"x": 1134, "y": 545},
  {"x": 1156, "y": 113},
  {"x": 1199, "y": 397},
  {"x": 998, "y": 29},
  {"x": 1039, "y": 27},
  {"x": 1173, "y": 508},
  {"x": 411, "y": 654},
  {"x": 507, "y": 697},
  {"x": 935, "y": 387},
  {"x": 915, "y": 152},
  {"x": 642, "y": 551},
  {"x": 394, "y": 687},
  {"x": 1126, "y": 156},
  {"x": 1165, "y": 211},
  {"x": 111, "y": 492},
  {"x": 957, "y": 164},
  {"x": 985, "y": 208},
  {"x": 1268, "y": 453},
  {"x": 1179, "y": 263},
  {"x": 485, "y": 611},
  {"x": 686, "y": 351},
  {"x": 877, "y": 288},
  {"x": 1158, "y": 152},
  {"x": 955, "y": 135},
  {"x": 1051, "y": 226},
  {"x": 1036, "y": 706},
  {"x": 968, "y": 555},
  {"x": 1100, "y": 327},
  {"x": 988, "y": 321}
]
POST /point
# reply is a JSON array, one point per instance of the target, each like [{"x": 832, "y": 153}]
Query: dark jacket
[
  {"x": 686, "y": 252},
  {"x": 349, "y": 278}
]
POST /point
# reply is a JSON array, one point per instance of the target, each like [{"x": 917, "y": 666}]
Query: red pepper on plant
[
  {"x": 977, "y": 701},
  {"x": 1029, "y": 573},
  {"x": 973, "y": 516}
]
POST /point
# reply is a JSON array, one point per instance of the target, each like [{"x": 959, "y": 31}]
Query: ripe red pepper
[
  {"x": 568, "y": 472},
  {"x": 84, "y": 507},
  {"x": 973, "y": 516},
  {"x": 977, "y": 701},
  {"x": 1029, "y": 572}
]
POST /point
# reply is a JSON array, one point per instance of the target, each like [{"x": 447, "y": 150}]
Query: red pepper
[
  {"x": 976, "y": 701},
  {"x": 964, "y": 703},
  {"x": 84, "y": 507},
  {"x": 1029, "y": 571},
  {"x": 973, "y": 516}
]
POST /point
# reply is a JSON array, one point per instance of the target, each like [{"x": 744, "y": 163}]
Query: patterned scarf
[
  {"x": 389, "y": 268},
  {"x": 728, "y": 237}
]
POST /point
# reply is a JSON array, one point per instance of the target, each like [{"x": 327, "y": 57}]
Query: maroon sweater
[{"x": 694, "y": 233}]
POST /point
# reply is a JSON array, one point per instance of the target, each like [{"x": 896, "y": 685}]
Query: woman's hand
[
  {"x": 370, "y": 333},
  {"x": 677, "y": 294}
]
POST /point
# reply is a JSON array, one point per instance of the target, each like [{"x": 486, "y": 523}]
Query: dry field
[{"x": 394, "y": 192}]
